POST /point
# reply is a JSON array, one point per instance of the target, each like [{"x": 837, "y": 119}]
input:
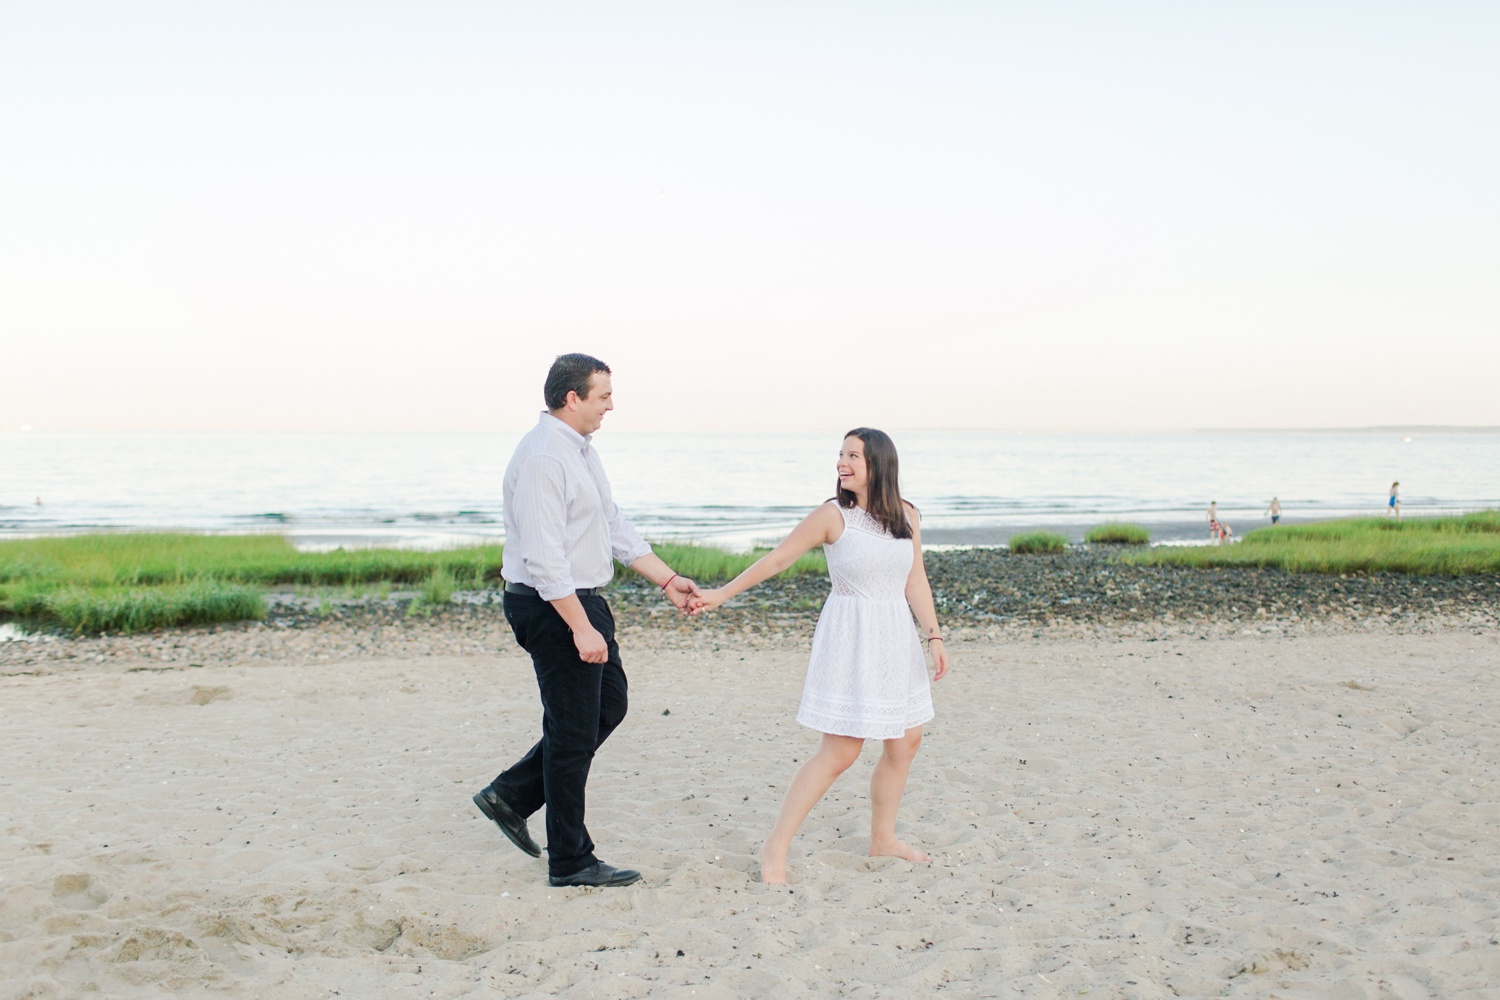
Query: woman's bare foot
[
  {"x": 772, "y": 866},
  {"x": 897, "y": 849}
]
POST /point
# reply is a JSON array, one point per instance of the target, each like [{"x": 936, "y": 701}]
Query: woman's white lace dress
[{"x": 866, "y": 675}]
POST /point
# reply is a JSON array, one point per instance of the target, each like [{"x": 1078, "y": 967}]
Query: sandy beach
[{"x": 1225, "y": 815}]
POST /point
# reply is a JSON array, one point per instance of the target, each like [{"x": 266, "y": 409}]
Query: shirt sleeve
[
  {"x": 541, "y": 516},
  {"x": 625, "y": 543}
]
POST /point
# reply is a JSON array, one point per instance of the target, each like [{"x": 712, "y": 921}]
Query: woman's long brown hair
[{"x": 884, "y": 482}]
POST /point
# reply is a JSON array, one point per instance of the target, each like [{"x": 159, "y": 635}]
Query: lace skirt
[{"x": 866, "y": 675}]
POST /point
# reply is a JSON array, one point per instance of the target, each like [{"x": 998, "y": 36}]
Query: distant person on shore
[
  {"x": 1393, "y": 505},
  {"x": 866, "y": 675},
  {"x": 1275, "y": 511},
  {"x": 1213, "y": 522},
  {"x": 563, "y": 532}
]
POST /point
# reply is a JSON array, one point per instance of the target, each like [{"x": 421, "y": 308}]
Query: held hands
[
  {"x": 687, "y": 598},
  {"x": 710, "y": 600},
  {"x": 683, "y": 593}
]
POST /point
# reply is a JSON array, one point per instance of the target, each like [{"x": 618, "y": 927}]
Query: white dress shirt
[{"x": 563, "y": 530}]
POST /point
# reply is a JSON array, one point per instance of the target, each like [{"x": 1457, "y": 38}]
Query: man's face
[{"x": 591, "y": 410}]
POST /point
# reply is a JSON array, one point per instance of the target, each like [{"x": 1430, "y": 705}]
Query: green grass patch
[
  {"x": 1037, "y": 542},
  {"x": 1117, "y": 534},
  {"x": 707, "y": 565},
  {"x": 439, "y": 587},
  {"x": 155, "y": 558},
  {"x": 139, "y": 609},
  {"x": 147, "y": 580},
  {"x": 436, "y": 591},
  {"x": 1426, "y": 546}
]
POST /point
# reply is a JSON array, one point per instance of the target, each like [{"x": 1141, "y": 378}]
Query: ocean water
[{"x": 973, "y": 487}]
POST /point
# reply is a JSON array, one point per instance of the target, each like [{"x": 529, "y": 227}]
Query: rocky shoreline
[{"x": 981, "y": 593}]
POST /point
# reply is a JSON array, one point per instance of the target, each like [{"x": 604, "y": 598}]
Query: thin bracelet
[
  {"x": 930, "y": 638},
  {"x": 669, "y": 581}
]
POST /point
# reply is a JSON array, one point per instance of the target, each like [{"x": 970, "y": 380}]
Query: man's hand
[
  {"x": 683, "y": 593},
  {"x": 591, "y": 645}
]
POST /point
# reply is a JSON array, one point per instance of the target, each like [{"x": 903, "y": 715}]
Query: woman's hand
[
  {"x": 709, "y": 600},
  {"x": 939, "y": 658}
]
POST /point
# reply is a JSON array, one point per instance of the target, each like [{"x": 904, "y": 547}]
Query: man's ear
[{"x": 572, "y": 401}]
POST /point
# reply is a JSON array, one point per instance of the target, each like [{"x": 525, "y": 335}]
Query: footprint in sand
[
  {"x": 78, "y": 891},
  {"x": 202, "y": 695}
]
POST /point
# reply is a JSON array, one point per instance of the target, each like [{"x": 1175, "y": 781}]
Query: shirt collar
[{"x": 577, "y": 440}]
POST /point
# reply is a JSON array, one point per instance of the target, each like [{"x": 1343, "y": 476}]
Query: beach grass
[
  {"x": 1117, "y": 534},
  {"x": 1034, "y": 542},
  {"x": 707, "y": 564},
  {"x": 435, "y": 591},
  {"x": 132, "y": 609},
  {"x": 158, "y": 558},
  {"x": 132, "y": 582},
  {"x": 1431, "y": 546}
]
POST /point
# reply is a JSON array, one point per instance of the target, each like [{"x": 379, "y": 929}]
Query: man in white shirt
[{"x": 563, "y": 532}]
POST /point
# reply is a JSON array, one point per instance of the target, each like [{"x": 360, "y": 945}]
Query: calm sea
[{"x": 973, "y": 487}]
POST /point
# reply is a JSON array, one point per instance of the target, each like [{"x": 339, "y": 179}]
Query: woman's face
[{"x": 854, "y": 475}]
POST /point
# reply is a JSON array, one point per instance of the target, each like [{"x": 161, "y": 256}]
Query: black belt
[{"x": 521, "y": 588}]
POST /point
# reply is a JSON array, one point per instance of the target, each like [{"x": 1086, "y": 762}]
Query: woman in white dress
[{"x": 866, "y": 675}]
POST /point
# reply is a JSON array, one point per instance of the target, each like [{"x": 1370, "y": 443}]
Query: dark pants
[{"x": 582, "y": 703}]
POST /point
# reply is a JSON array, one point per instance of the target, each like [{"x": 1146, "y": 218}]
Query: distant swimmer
[
  {"x": 38, "y": 501},
  {"x": 1275, "y": 511},
  {"x": 1393, "y": 505}
]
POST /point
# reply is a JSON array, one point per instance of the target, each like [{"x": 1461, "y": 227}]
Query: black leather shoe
[
  {"x": 597, "y": 874},
  {"x": 510, "y": 822}
]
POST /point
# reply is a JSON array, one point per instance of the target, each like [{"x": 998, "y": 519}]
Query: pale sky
[{"x": 1106, "y": 215}]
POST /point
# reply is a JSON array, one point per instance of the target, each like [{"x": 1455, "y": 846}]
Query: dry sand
[{"x": 1310, "y": 816}]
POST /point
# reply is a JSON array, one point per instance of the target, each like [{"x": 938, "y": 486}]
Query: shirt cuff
[
  {"x": 556, "y": 590},
  {"x": 633, "y": 553}
]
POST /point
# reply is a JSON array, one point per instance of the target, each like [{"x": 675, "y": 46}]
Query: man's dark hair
[{"x": 570, "y": 373}]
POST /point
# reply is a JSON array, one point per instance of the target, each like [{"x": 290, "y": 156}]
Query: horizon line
[{"x": 25, "y": 429}]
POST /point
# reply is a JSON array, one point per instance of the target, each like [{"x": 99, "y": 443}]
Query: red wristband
[{"x": 669, "y": 581}]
